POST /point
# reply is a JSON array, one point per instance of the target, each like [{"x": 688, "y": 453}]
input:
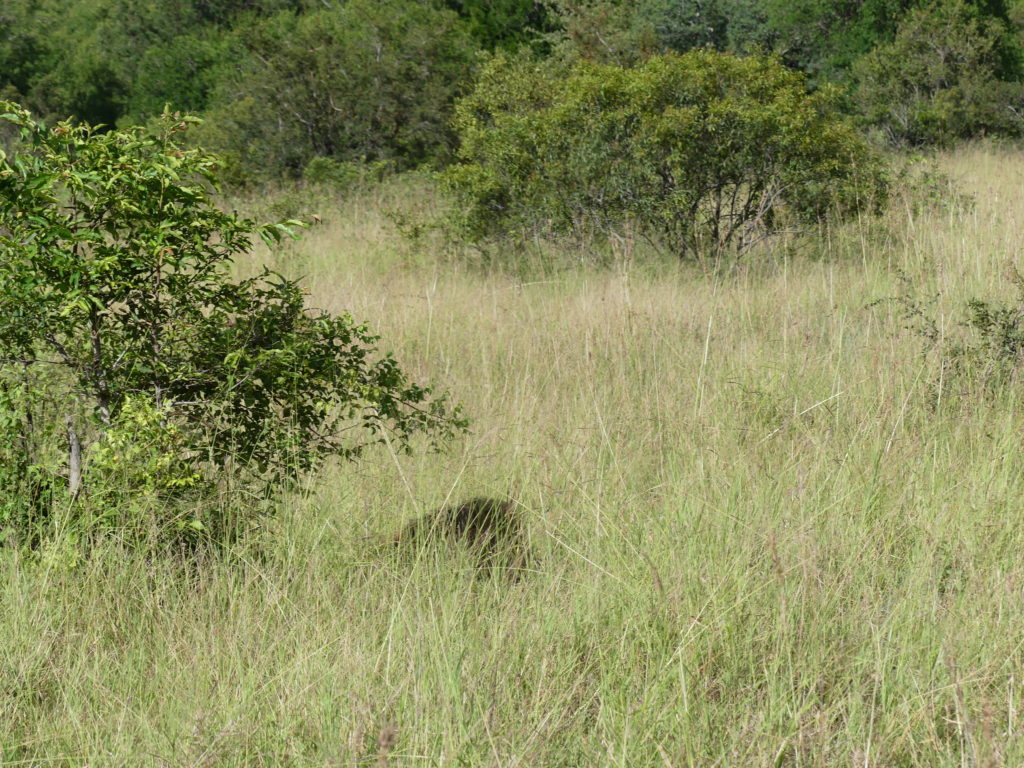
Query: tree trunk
[{"x": 74, "y": 460}]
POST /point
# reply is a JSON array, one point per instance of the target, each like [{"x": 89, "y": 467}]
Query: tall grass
[{"x": 760, "y": 539}]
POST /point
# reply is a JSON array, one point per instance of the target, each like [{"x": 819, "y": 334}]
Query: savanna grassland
[{"x": 768, "y": 531}]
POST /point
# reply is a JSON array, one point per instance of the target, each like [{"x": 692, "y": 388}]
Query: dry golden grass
[{"x": 759, "y": 543}]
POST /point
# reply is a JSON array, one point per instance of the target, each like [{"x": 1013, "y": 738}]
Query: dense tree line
[{"x": 282, "y": 83}]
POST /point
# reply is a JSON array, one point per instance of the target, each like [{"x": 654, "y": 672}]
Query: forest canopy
[{"x": 283, "y": 83}]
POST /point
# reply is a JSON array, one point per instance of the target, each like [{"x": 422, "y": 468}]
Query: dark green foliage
[
  {"x": 180, "y": 74},
  {"x": 698, "y": 152},
  {"x": 20, "y": 46},
  {"x": 681, "y": 26},
  {"x": 226, "y": 11},
  {"x": 823, "y": 37},
  {"x": 503, "y": 23},
  {"x": 105, "y": 61},
  {"x": 371, "y": 80},
  {"x": 116, "y": 302},
  {"x": 819, "y": 37},
  {"x": 605, "y": 31},
  {"x": 100, "y": 60},
  {"x": 941, "y": 79}
]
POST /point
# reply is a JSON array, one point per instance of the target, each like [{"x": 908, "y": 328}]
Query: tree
[
  {"x": 823, "y": 37},
  {"x": 699, "y": 151},
  {"x": 502, "y": 23},
  {"x": 370, "y": 80},
  {"x": 180, "y": 73},
  {"x": 20, "y": 46},
  {"x": 819, "y": 37},
  {"x": 604, "y": 31},
  {"x": 120, "y": 326},
  {"x": 107, "y": 61},
  {"x": 682, "y": 26},
  {"x": 947, "y": 75}
]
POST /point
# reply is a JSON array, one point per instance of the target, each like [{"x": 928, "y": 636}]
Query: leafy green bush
[
  {"x": 997, "y": 352},
  {"x": 122, "y": 335},
  {"x": 949, "y": 74},
  {"x": 343, "y": 175},
  {"x": 698, "y": 152},
  {"x": 142, "y": 482}
]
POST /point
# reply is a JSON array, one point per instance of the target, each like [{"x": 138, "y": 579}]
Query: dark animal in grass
[{"x": 492, "y": 529}]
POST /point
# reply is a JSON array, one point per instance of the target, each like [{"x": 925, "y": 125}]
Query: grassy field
[{"x": 767, "y": 533}]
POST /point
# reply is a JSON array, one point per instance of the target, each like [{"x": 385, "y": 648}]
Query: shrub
[
  {"x": 942, "y": 78},
  {"x": 141, "y": 481},
  {"x": 982, "y": 354},
  {"x": 124, "y": 339},
  {"x": 700, "y": 151},
  {"x": 343, "y": 175},
  {"x": 997, "y": 351}
]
